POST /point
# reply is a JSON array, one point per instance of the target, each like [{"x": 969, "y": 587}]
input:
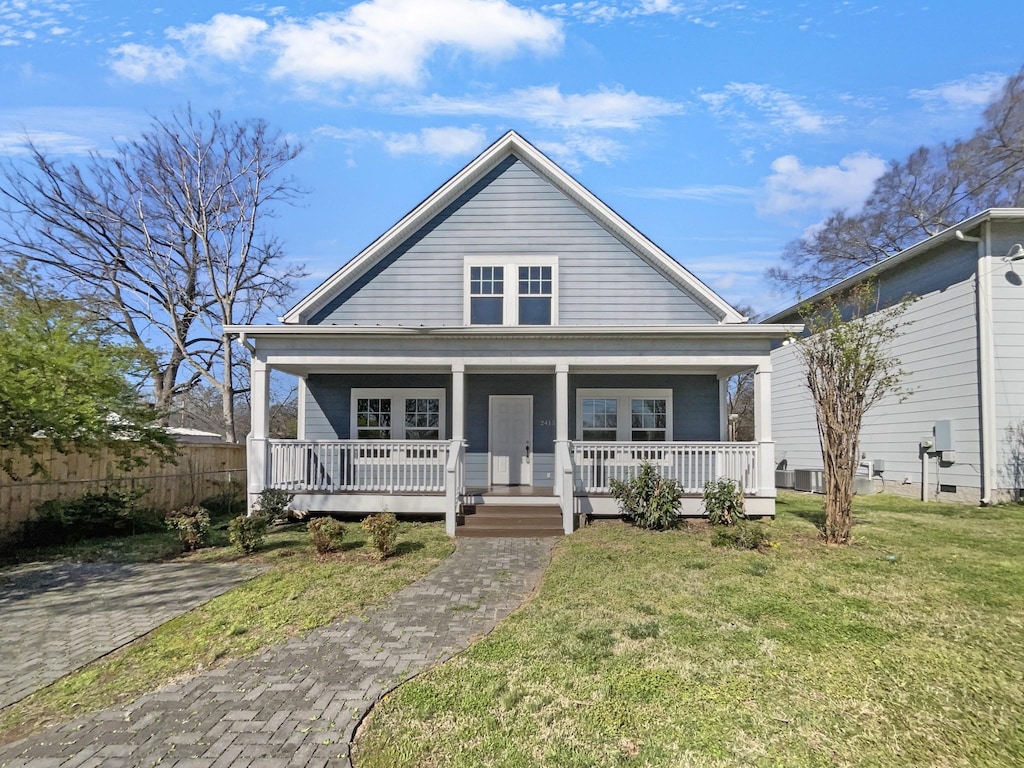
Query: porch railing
[
  {"x": 691, "y": 464},
  {"x": 373, "y": 466}
]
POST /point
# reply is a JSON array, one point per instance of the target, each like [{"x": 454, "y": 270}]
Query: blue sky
[{"x": 721, "y": 130}]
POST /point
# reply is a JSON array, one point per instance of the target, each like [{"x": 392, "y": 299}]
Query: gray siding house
[
  {"x": 511, "y": 341},
  {"x": 963, "y": 352}
]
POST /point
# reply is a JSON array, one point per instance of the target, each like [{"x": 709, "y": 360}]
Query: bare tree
[
  {"x": 165, "y": 240},
  {"x": 933, "y": 189},
  {"x": 849, "y": 368}
]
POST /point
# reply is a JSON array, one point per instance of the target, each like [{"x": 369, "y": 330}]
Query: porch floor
[{"x": 510, "y": 490}]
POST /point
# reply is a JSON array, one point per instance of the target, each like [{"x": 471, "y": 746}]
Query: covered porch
[{"x": 544, "y": 418}]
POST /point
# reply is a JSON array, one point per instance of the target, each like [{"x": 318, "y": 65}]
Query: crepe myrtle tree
[{"x": 849, "y": 368}]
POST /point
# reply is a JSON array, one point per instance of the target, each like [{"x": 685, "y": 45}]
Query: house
[
  {"x": 959, "y": 435},
  {"x": 511, "y": 342}
]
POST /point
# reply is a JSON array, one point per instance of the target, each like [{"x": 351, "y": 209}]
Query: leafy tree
[
  {"x": 929, "y": 191},
  {"x": 849, "y": 368},
  {"x": 165, "y": 238},
  {"x": 62, "y": 378}
]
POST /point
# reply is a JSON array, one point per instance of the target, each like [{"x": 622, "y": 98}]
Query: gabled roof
[
  {"x": 510, "y": 144},
  {"x": 897, "y": 259}
]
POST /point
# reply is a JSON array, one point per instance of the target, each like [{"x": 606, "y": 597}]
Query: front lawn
[
  {"x": 654, "y": 649},
  {"x": 297, "y": 593}
]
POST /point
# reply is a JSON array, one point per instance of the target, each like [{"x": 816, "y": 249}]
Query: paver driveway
[
  {"x": 297, "y": 704},
  {"x": 57, "y": 617}
]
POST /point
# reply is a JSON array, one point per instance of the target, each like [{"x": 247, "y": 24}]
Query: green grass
[
  {"x": 296, "y": 594},
  {"x": 654, "y": 649}
]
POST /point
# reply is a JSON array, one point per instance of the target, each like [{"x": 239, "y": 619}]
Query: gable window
[
  {"x": 398, "y": 414},
  {"x": 486, "y": 295},
  {"x": 507, "y": 291},
  {"x": 599, "y": 415}
]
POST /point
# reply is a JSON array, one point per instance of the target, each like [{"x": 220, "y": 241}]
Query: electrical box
[
  {"x": 944, "y": 436},
  {"x": 879, "y": 466}
]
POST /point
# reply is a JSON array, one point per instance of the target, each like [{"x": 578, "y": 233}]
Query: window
[
  {"x": 649, "y": 420},
  {"x": 649, "y": 410},
  {"x": 600, "y": 418},
  {"x": 422, "y": 418},
  {"x": 487, "y": 295},
  {"x": 535, "y": 295},
  {"x": 398, "y": 414},
  {"x": 373, "y": 418},
  {"x": 527, "y": 297}
]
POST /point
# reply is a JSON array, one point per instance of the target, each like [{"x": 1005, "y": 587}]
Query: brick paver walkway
[
  {"x": 57, "y": 617},
  {"x": 298, "y": 704}
]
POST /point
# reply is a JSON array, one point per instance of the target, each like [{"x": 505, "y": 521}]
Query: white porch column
[
  {"x": 763, "y": 429},
  {"x": 458, "y": 401},
  {"x": 563, "y": 458},
  {"x": 454, "y": 471},
  {"x": 258, "y": 466},
  {"x": 561, "y": 402},
  {"x": 723, "y": 408}
]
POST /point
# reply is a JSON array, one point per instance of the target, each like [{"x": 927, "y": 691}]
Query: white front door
[{"x": 511, "y": 431}]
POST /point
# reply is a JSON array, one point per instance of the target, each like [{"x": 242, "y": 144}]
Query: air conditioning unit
[
  {"x": 809, "y": 480},
  {"x": 783, "y": 478}
]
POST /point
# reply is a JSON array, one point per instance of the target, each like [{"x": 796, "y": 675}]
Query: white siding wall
[
  {"x": 514, "y": 211},
  {"x": 938, "y": 350},
  {"x": 1008, "y": 330}
]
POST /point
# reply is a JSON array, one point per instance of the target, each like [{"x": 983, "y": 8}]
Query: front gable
[{"x": 514, "y": 208}]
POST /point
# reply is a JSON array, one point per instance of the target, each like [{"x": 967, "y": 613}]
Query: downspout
[{"x": 986, "y": 360}]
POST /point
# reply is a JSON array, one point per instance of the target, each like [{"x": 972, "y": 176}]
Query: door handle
[{"x": 527, "y": 452}]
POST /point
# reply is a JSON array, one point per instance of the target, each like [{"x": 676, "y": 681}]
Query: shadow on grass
[
  {"x": 815, "y": 516},
  {"x": 405, "y": 547}
]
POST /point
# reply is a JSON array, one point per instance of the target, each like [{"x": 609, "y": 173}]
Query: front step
[{"x": 493, "y": 520}]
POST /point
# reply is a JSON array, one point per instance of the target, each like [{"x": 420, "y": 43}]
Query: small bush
[
  {"x": 326, "y": 534},
  {"x": 723, "y": 501},
  {"x": 650, "y": 500},
  {"x": 382, "y": 529},
  {"x": 95, "y": 514},
  {"x": 273, "y": 502},
  {"x": 247, "y": 533},
  {"x": 192, "y": 524},
  {"x": 228, "y": 502},
  {"x": 742, "y": 535}
]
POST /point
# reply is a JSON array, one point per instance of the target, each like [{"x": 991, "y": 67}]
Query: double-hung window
[
  {"x": 397, "y": 414},
  {"x": 511, "y": 290},
  {"x": 635, "y": 416}
]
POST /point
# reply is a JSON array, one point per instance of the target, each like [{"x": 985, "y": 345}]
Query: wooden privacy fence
[{"x": 203, "y": 469}]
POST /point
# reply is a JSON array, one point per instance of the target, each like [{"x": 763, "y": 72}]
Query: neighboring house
[
  {"x": 511, "y": 341},
  {"x": 963, "y": 354}
]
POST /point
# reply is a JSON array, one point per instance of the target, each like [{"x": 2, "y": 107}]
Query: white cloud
[
  {"x": 549, "y": 107},
  {"x": 392, "y": 40},
  {"x": 968, "y": 93},
  {"x": 226, "y": 36},
  {"x": 793, "y": 186},
  {"x": 444, "y": 142},
  {"x": 710, "y": 193},
  {"x": 576, "y": 147},
  {"x": 142, "y": 63},
  {"x": 439, "y": 142},
  {"x": 778, "y": 110},
  {"x": 51, "y": 142}
]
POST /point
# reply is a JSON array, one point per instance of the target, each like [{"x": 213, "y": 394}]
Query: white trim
[
  {"x": 705, "y": 330},
  {"x": 986, "y": 367},
  {"x": 510, "y": 144},
  {"x": 624, "y": 429},
  {"x": 397, "y": 424},
  {"x": 300, "y": 396},
  {"x": 490, "y": 436}
]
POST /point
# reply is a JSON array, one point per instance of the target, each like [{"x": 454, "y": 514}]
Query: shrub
[
  {"x": 192, "y": 524},
  {"x": 110, "y": 512},
  {"x": 246, "y": 533},
  {"x": 228, "y": 502},
  {"x": 723, "y": 501},
  {"x": 650, "y": 500},
  {"x": 273, "y": 502},
  {"x": 326, "y": 534},
  {"x": 742, "y": 535},
  {"x": 383, "y": 531}
]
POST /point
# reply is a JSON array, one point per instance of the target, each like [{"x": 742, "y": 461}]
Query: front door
[{"x": 511, "y": 431}]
